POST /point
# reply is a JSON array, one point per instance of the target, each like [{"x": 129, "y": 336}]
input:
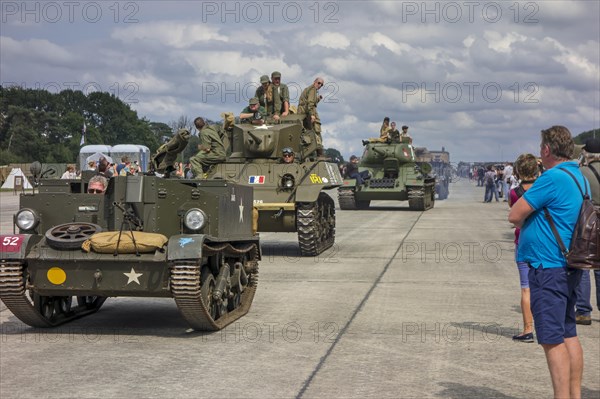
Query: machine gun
[{"x": 130, "y": 218}]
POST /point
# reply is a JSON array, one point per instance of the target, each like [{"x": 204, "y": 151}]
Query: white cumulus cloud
[
  {"x": 170, "y": 33},
  {"x": 332, "y": 40}
]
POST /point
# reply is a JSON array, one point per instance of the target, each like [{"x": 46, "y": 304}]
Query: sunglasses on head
[{"x": 94, "y": 191}]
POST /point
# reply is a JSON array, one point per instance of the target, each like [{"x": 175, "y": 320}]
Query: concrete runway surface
[{"x": 405, "y": 305}]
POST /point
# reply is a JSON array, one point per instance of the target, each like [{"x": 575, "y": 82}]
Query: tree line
[
  {"x": 582, "y": 137},
  {"x": 36, "y": 125}
]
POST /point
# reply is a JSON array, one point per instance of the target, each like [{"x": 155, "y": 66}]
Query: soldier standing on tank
[
  {"x": 253, "y": 113},
  {"x": 308, "y": 105},
  {"x": 264, "y": 93},
  {"x": 281, "y": 97},
  {"x": 211, "y": 149}
]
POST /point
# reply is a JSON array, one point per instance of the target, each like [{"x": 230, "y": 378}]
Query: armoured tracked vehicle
[
  {"x": 395, "y": 175},
  {"x": 287, "y": 197},
  {"x": 145, "y": 236},
  {"x": 441, "y": 168}
]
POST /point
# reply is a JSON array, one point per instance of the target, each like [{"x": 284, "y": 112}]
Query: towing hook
[{"x": 278, "y": 214}]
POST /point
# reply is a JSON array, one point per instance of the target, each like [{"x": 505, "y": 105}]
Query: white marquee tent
[{"x": 10, "y": 180}]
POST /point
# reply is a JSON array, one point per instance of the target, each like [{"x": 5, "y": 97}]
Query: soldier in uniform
[
  {"x": 253, "y": 113},
  {"x": 288, "y": 155},
  {"x": 308, "y": 105},
  {"x": 405, "y": 131},
  {"x": 590, "y": 168},
  {"x": 281, "y": 97},
  {"x": 166, "y": 155},
  {"x": 384, "y": 133},
  {"x": 211, "y": 149},
  {"x": 385, "y": 128},
  {"x": 264, "y": 93},
  {"x": 394, "y": 134}
]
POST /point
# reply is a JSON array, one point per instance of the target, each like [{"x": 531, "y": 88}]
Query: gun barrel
[
  {"x": 129, "y": 215},
  {"x": 378, "y": 151},
  {"x": 257, "y": 139}
]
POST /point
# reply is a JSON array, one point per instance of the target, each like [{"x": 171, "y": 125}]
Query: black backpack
[{"x": 584, "y": 252}]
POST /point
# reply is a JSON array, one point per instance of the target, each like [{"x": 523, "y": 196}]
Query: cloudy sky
[{"x": 479, "y": 78}]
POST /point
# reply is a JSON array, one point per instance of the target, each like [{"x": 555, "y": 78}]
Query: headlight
[
  {"x": 194, "y": 219},
  {"x": 26, "y": 219},
  {"x": 287, "y": 181}
]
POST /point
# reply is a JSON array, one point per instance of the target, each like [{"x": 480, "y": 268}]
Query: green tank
[
  {"x": 190, "y": 240},
  {"x": 287, "y": 197},
  {"x": 394, "y": 175}
]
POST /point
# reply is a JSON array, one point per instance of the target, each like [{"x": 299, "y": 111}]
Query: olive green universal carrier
[
  {"x": 146, "y": 236},
  {"x": 394, "y": 175},
  {"x": 287, "y": 197}
]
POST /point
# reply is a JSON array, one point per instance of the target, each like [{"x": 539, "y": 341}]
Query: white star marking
[
  {"x": 132, "y": 276},
  {"x": 241, "y": 211}
]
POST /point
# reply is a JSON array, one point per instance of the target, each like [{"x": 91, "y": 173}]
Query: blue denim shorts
[
  {"x": 523, "y": 274},
  {"x": 553, "y": 303},
  {"x": 523, "y": 268}
]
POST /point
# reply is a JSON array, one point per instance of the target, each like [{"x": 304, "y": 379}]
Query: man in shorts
[{"x": 552, "y": 284}]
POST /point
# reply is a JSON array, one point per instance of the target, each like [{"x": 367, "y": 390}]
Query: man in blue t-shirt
[
  {"x": 124, "y": 165},
  {"x": 552, "y": 284}
]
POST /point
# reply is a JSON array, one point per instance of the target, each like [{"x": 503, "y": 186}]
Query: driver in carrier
[{"x": 97, "y": 185}]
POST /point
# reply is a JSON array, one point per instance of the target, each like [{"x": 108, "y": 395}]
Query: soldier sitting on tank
[
  {"x": 353, "y": 173},
  {"x": 97, "y": 185},
  {"x": 404, "y": 135},
  {"x": 211, "y": 149},
  {"x": 393, "y": 133},
  {"x": 384, "y": 136},
  {"x": 253, "y": 113},
  {"x": 385, "y": 128},
  {"x": 163, "y": 161},
  {"x": 288, "y": 155}
]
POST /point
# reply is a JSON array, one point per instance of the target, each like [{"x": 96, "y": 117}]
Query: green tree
[
  {"x": 582, "y": 137},
  {"x": 39, "y": 125},
  {"x": 161, "y": 131},
  {"x": 335, "y": 155}
]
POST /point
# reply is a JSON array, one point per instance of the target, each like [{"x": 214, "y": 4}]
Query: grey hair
[{"x": 99, "y": 179}]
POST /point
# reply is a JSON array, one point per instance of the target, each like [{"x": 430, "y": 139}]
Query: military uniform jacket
[
  {"x": 210, "y": 139},
  {"x": 261, "y": 113},
  {"x": 281, "y": 94},
  {"x": 308, "y": 101},
  {"x": 394, "y": 134},
  {"x": 383, "y": 132},
  {"x": 262, "y": 96},
  {"x": 586, "y": 170}
]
